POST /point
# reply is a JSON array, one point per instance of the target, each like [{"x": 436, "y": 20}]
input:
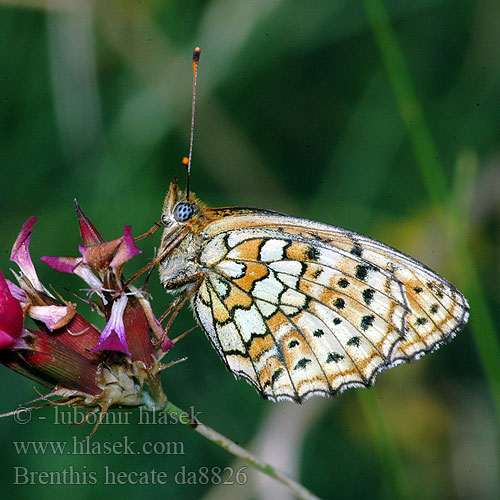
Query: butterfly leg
[
  {"x": 155, "y": 261},
  {"x": 151, "y": 231},
  {"x": 181, "y": 300},
  {"x": 171, "y": 307}
]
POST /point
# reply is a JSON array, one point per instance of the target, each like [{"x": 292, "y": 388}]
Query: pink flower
[
  {"x": 66, "y": 352},
  {"x": 100, "y": 266},
  {"x": 113, "y": 337}
]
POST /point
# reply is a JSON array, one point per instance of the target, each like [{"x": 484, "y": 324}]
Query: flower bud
[{"x": 11, "y": 316}]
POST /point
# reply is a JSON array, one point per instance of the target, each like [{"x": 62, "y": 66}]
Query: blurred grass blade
[
  {"x": 482, "y": 324},
  {"x": 386, "y": 447},
  {"x": 410, "y": 109}
]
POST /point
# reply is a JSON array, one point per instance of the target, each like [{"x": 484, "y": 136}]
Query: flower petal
[
  {"x": 154, "y": 324},
  {"x": 113, "y": 337},
  {"x": 83, "y": 271},
  {"x": 6, "y": 340},
  {"x": 138, "y": 332},
  {"x": 50, "y": 362},
  {"x": 21, "y": 256},
  {"x": 126, "y": 251},
  {"x": 62, "y": 264},
  {"x": 54, "y": 317},
  {"x": 18, "y": 293}
]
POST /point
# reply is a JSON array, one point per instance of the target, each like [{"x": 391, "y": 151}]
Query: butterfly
[{"x": 298, "y": 307}]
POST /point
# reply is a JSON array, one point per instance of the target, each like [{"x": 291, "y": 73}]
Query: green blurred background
[{"x": 379, "y": 116}]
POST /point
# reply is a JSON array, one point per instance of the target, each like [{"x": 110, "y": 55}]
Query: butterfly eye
[{"x": 183, "y": 212}]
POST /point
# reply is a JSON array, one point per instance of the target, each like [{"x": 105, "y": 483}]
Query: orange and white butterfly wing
[{"x": 301, "y": 308}]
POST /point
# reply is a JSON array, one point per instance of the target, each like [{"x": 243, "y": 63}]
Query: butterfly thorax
[{"x": 179, "y": 264}]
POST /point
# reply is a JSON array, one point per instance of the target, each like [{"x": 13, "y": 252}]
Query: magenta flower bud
[
  {"x": 11, "y": 316},
  {"x": 79, "y": 335},
  {"x": 52, "y": 363},
  {"x": 70, "y": 355},
  {"x": 90, "y": 235},
  {"x": 138, "y": 332}
]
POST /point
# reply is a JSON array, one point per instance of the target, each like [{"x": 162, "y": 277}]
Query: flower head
[{"x": 82, "y": 365}]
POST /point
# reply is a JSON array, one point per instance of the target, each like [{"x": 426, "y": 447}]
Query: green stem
[{"x": 231, "y": 447}]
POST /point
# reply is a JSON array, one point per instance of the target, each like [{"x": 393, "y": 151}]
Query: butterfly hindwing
[
  {"x": 436, "y": 309},
  {"x": 301, "y": 308}
]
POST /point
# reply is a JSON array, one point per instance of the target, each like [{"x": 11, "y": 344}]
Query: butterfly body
[{"x": 299, "y": 307}]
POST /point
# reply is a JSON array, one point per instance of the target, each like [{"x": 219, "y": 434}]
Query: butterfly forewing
[{"x": 301, "y": 308}]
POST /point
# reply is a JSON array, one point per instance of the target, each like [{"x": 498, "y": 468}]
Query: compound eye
[{"x": 183, "y": 212}]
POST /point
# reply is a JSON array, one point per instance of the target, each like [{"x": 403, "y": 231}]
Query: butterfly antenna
[{"x": 187, "y": 161}]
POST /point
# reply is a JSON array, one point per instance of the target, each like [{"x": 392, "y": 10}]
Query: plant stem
[{"x": 236, "y": 450}]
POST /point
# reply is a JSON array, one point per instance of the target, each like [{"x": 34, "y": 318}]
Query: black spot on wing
[
  {"x": 312, "y": 253},
  {"x": 279, "y": 353},
  {"x": 334, "y": 356},
  {"x": 343, "y": 283},
  {"x": 357, "y": 250},
  {"x": 353, "y": 341},
  {"x": 368, "y": 296},
  {"x": 339, "y": 303},
  {"x": 302, "y": 363},
  {"x": 361, "y": 272},
  {"x": 367, "y": 321},
  {"x": 315, "y": 274},
  {"x": 276, "y": 375}
]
